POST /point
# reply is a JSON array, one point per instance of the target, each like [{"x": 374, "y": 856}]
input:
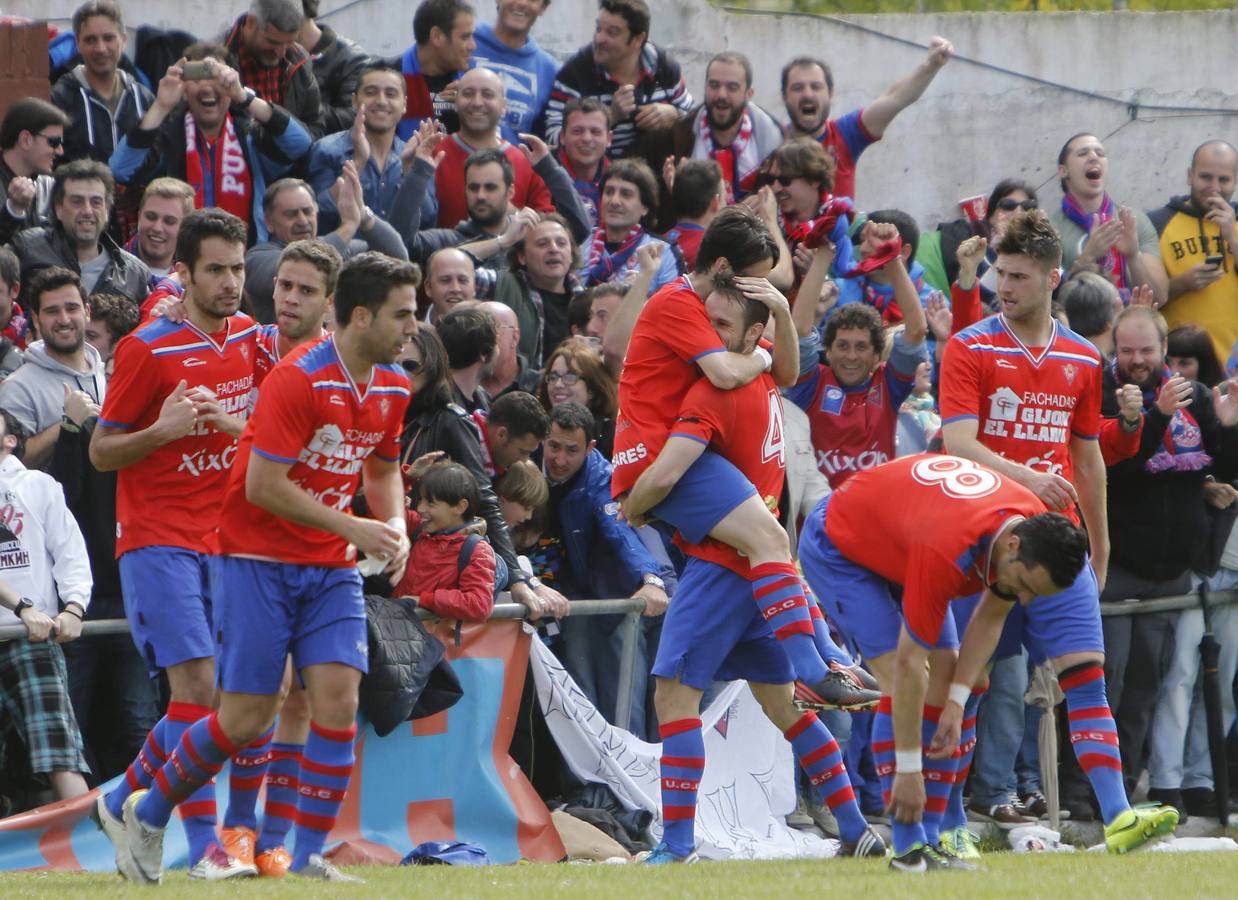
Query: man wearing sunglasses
[{"x": 31, "y": 139}]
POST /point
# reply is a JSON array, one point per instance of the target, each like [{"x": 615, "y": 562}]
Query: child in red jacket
[{"x": 445, "y": 576}]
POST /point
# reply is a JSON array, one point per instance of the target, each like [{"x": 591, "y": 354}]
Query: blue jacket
[
  {"x": 607, "y": 555},
  {"x": 528, "y": 75},
  {"x": 270, "y": 152},
  {"x": 379, "y": 189}
]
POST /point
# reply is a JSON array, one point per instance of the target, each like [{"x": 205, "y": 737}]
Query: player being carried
[
  {"x": 938, "y": 528},
  {"x": 1021, "y": 394},
  {"x": 328, "y": 418},
  {"x": 174, "y": 408},
  {"x": 712, "y": 630},
  {"x": 672, "y": 345}
]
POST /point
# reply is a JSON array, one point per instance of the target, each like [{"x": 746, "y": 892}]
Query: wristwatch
[
  {"x": 22, "y": 604},
  {"x": 250, "y": 96},
  {"x": 655, "y": 581}
]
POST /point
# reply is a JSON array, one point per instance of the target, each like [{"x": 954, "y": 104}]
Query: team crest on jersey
[
  {"x": 1069, "y": 371},
  {"x": 244, "y": 348},
  {"x": 876, "y": 394},
  {"x": 384, "y": 407},
  {"x": 832, "y": 402}
]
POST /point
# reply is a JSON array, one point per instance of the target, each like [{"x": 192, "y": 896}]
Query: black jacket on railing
[{"x": 1159, "y": 525}]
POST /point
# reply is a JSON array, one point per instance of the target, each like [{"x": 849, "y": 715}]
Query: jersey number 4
[
  {"x": 959, "y": 478},
  {"x": 772, "y": 448}
]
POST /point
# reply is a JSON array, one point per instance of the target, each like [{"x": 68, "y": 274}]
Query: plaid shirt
[{"x": 268, "y": 82}]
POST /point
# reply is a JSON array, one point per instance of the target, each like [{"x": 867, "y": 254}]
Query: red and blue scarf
[
  {"x": 1113, "y": 265},
  {"x": 1182, "y": 446},
  {"x": 603, "y": 264}
]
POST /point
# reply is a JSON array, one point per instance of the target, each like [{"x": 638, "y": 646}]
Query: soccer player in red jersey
[
  {"x": 939, "y": 528},
  {"x": 174, "y": 408},
  {"x": 671, "y": 346},
  {"x": 852, "y": 402},
  {"x": 1021, "y": 394},
  {"x": 328, "y": 418},
  {"x": 712, "y": 631}
]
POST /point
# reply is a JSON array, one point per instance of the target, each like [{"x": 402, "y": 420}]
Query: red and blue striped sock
[
  {"x": 683, "y": 763},
  {"x": 249, "y": 769},
  {"x": 904, "y": 835},
  {"x": 326, "y": 765},
  {"x": 956, "y": 815},
  {"x": 141, "y": 771},
  {"x": 938, "y": 777},
  {"x": 283, "y": 784},
  {"x": 1095, "y": 737},
  {"x": 191, "y": 765},
  {"x": 777, "y": 590},
  {"x": 822, "y": 761}
]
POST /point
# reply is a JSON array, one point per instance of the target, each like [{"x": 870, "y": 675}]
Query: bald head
[
  {"x": 449, "y": 279},
  {"x": 480, "y": 104},
  {"x": 1214, "y": 168}
]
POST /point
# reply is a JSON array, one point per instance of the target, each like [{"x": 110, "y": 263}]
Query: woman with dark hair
[
  {"x": 1192, "y": 355},
  {"x": 575, "y": 372}
]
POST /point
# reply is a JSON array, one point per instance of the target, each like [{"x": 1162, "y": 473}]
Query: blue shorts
[
  {"x": 267, "y": 610},
  {"x": 1011, "y": 641},
  {"x": 168, "y": 605},
  {"x": 1065, "y": 622},
  {"x": 713, "y": 630},
  {"x": 865, "y": 607},
  {"x": 710, "y": 489}
]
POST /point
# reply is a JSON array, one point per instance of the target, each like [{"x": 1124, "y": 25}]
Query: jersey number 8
[{"x": 961, "y": 479}]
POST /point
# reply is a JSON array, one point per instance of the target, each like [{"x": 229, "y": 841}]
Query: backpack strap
[{"x": 466, "y": 552}]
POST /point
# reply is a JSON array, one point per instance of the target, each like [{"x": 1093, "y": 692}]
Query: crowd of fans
[{"x": 544, "y": 202}]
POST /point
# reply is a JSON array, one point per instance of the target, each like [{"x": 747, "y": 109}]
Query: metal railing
[{"x": 630, "y": 608}]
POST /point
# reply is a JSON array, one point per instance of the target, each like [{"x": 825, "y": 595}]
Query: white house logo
[
  {"x": 326, "y": 440},
  {"x": 1004, "y": 405}
]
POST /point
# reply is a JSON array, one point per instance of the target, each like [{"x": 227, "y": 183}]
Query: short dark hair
[
  {"x": 634, "y": 12},
  {"x": 17, "y": 430},
  {"x": 513, "y": 255},
  {"x": 740, "y": 236},
  {"x": 84, "y": 170},
  {"x": 1194, "y": 342},
  {"x": 585, "y": 105},
  {"x": 1053, "y": 541},
  {"x": 92, "y": 8},
  {"x": 735, "y": 58},
  {"x": 437, "y": 392},
  {"x": 201, "y": 224},
  {"x": 804, "y": 61},
  {"x": 50, "y": 279},
  {"x": 488, "y": 156},
  {"x": 1065, "y": 151},
  {"x": 319, "y": 254},
  {"x": 520, "y": 413},
  {"x": 1031, "y": 234},
  {"x": 858, "y": 316},
  {"x": 309, "y": 8},
  {"x": 367, "y": 279},
  {"x": 275, "y": 188},
  {"x": 440, "y": 14},
  {"x": 572, "y": 415},
  {"x": 803, "y": 157},
  {"x": 30, "y": 114},
  {"x": 908, "y": 230},
  {"x": 697, "y": 182},
  {"x": 1004, "y": 189},
  {"x": 10, "y": 268},
  {"x": 380, "y": 65},
  {"x": 1088, "y": 299},
  {"x": 285, "y": 16},
  {"x": 755, "y": 312},
  {"x": 118, "y": 312},
  {"x": 468, "y": 335},
  {"x": 450, "y": 483},
  {"x": 637, "y": 172}
]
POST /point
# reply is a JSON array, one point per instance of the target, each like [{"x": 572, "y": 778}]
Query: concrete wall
[{"x": 973, "y": 127}]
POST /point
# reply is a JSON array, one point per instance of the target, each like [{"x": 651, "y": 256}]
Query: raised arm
[{"x": 878, "y": 115}]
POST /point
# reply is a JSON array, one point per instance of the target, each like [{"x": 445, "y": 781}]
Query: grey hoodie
[{"x": 34, "y": 394}]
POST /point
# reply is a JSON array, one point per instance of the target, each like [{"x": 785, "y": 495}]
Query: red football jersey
[
  {"x": 313, "y": 416},
  {"x": 671, "y": 334},
  {"x": 268, "y": 356},
  {"x": 743, "y": 425},
  {"x": 925, "y": 522},
  {"x": 1029, "y": 402},
  {"x": 172, "y": 497}
]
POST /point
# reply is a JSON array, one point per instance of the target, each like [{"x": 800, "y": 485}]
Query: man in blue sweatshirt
[{"x": 528, "y": 71}]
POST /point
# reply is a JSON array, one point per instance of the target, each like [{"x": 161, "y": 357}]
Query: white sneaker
[
  {"x": 144, "y": 843},
  {"x": 824, "y": 818},
  {"x": 113, "y": 829},
  {"x": 318, "y": 867},
  {"x": 216, "y": 865}
]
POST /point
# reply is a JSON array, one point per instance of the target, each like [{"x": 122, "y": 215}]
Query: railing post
[{"x": 627, "y": 670}]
